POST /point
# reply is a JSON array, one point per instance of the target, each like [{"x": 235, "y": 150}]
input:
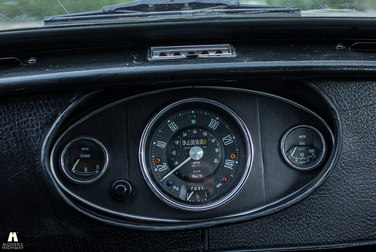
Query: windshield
[{"x": 30, "y": 13}]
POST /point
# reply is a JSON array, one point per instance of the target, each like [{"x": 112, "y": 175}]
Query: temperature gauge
[
  {"x": 84, "y": 160},
  {"x": 303, "y": 147}
]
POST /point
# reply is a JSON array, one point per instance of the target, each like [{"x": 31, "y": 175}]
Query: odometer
[{"x": 196, "y": 154}]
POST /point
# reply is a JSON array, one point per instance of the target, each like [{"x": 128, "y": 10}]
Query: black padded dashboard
[{"x": 92, "y": 81}]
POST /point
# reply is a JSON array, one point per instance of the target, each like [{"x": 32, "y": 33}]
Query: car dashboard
[{"x": 248, "y": 135}]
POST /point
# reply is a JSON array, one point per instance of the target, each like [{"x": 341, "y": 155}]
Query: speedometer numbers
[{"x": 196, "y": 154}]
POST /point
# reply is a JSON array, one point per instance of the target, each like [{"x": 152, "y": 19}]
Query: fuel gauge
[
  {"x": 303, "y": 147},
  {"x": 197, "y": 196},
  {"x": 84, "y": 160}
]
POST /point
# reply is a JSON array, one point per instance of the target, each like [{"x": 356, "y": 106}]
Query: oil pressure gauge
[
  {"x": 84, "y": 160},
  {"x": 303, "y": 147}
]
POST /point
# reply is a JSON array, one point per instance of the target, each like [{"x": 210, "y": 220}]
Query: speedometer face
[{"x": 196, "y": 154}]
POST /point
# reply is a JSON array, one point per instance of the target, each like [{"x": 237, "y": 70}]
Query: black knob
[{"x": 121, "y": 190}]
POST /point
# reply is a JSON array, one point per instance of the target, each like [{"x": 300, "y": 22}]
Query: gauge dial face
[
  {"x": 196, "y": 154},
  {"x": 84, "y": 160},
  {"x": 303, "y": 147}
]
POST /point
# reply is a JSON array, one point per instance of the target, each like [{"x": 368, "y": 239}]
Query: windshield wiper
[{"x": 172, "y": 9}]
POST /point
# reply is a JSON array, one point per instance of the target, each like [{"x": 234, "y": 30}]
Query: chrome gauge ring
[
  {"x": 303, "y": 147},
  {"x": 84, "y": 160},
  {"x": 196, "y": 154}
]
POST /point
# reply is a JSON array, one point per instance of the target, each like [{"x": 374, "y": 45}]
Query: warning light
[
  {"x": 193, "y": 116},
  {"x": 157, "y": 160},
  {"x": 169, "y": 183},
  {"x": 233, "y": 156},
  {"x": 224, "y": 180}
]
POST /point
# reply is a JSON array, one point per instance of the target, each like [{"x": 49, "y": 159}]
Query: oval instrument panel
[{"x": 188, "y": 157}]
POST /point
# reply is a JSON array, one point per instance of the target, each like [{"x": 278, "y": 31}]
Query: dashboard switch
[{"x": 121, "y": 190}]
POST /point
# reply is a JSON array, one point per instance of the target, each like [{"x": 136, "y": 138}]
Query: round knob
[{"x": 121, "y": 190}]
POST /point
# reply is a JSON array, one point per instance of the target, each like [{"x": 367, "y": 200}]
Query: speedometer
[{"x": 196, "y": 154}]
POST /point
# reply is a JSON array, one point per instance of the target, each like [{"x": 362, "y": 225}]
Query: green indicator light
[{"x": 193, "y": 116}]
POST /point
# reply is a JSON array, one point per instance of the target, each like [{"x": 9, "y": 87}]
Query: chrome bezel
[
  {"x": 319, "y": 160},
  {"x": 69, "y": 144},
  {"x": 191, "y": 51},
  {"x": 188, "y": 207}
]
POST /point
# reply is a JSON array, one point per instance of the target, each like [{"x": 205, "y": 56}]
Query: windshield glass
[{"x": 30, "y": 13}]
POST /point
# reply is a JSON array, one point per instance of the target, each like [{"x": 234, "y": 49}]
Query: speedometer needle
[{"x": 176, "y": 168}]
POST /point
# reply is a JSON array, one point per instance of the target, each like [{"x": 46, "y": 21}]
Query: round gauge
[
  {"x": 303, "y": 147},
  {"x": 84, "y": 160},
  {"x": 196, "y": 154}
]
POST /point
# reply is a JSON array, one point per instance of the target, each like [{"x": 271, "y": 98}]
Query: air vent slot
[{"x": 195, "y": 51}]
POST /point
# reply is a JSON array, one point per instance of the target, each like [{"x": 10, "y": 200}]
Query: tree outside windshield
[{"x": 31, "y": 12}]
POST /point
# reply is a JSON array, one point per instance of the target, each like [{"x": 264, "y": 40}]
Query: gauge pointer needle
[
  {"x": 176, "y": 168},
  {"x": 74, "y": 166},
  {"x": 190, "y": 195},
  {"x": 293, "y": 151}
]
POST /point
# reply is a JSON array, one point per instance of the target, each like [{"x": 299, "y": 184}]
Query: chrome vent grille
[{"x": 195, "y": 51}]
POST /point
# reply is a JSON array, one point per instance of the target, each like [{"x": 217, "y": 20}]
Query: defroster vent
[{"x": 194, "y": 51}]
